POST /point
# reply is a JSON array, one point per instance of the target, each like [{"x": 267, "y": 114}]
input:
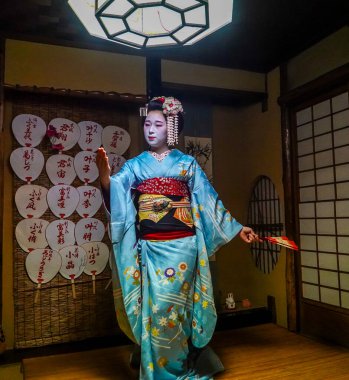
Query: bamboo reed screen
[{"x": 56, "y": 317}]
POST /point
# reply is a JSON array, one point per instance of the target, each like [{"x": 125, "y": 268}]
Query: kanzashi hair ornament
[
  {"x": 143, "y": 111},
  {"x": 171, "y": 107},
  {"x": 171, "y": 134}
]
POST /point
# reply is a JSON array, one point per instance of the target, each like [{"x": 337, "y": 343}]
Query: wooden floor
[{"x": 260, "y": 352}]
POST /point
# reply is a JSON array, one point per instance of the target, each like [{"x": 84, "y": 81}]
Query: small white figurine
[{"x": 229, "y": 301}]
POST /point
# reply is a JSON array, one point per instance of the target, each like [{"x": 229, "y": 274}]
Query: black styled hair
[{"x": 156, "y": 105}]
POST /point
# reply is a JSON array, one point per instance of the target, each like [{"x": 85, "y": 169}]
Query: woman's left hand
[{"x": 248, "y": 235}]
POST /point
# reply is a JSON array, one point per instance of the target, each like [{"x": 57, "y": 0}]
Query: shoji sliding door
[{"x": 322, "y": 175}]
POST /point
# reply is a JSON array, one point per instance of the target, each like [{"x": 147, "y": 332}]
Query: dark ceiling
[{"x": 263, "y": 34}]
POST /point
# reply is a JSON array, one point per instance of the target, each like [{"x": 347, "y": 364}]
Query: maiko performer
[{"x": 166, "y": 220}]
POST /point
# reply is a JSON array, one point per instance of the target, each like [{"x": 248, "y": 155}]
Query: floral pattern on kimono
[{"x": 163, "y": 290}]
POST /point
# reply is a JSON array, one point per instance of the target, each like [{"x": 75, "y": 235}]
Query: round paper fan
[
  {"x": 90, "y": 135},
  {"x": 115, "y": 162},
  {"x": 27, "y": 163},
  {"x": 31, "y": 201},
  {"x": 29, "y": 130},
  {"x": 60, "y": 233},
  {"x": 73, "y": 263},
  {"x": 85, "y": 166},
  {"x": 97, "y": 259},
  {"x": 88, "y": 230},
  {"x": 60, "y": 169},
  {"x": 31, "y": 234},
  {"x": 62, "y": 200},
  {"x": 42, "y": 266},
  {"x": 115, "y": 140},
  {"x": 90, "y": 201},
  {"x": 64, "y": 133}
]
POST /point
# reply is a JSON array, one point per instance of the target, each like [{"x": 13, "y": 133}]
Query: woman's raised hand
[{"x": 103, "y": 166}]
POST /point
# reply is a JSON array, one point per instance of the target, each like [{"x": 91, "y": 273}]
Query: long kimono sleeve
[
  {"x": 122, "y": 210},
  {"x": 214, "y": 227},
  {"x": 125, "y": 267},
  {"x": 215, "y": 221}
]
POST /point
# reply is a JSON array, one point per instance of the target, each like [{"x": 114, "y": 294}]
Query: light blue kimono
[{"x": 162, "y": 289}]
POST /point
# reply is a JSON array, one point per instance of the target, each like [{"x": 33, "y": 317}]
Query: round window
[{"x": 264, "y": 217}]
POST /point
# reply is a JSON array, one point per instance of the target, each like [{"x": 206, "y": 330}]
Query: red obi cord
[
  {"x": 164, "y": 186},
  {"x": 168, "y": 235}
]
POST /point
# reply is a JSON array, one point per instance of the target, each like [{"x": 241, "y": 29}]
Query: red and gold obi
[{"x": 164, "y": 210}]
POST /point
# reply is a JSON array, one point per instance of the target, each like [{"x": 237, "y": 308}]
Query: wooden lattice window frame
[{"x": 264, "y": 216}]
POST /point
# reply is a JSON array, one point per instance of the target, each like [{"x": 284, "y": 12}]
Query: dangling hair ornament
[{"x": 171, "y": 107}]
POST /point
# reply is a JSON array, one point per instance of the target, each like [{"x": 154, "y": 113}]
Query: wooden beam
[
  {"x": 214, "y": 95},
  {"x": 334, "y": 78},
  {"x": 2, "y": 73},
  {"x": 153, "y": 71},
  {"x": 122, "y": 98},
  {"x": 291, "y": 267}
]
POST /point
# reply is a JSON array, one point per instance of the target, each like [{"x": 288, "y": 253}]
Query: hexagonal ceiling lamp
[{"x": 153, "y": 23}]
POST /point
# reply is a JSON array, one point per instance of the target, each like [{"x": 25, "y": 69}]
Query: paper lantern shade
[
  {"x": 29, "y": 130},
  {"x": 62, "y": 200},
  {"x": 115, "y": 162},
  {"x": 147, "y": 24},
  {"x": 31, "y": 234},
  {"x": 90, "y": 135},
  {"x": 42, "y": 265},
  {"x": 31, "y": 201},
  {"x": 65, "y": 133},
  {"x": 89, "y": 230},
  {"x": 115, "y": 140},
  {"x": 60, "y": 233},
  {"x": 60, "y": 169},
  {"x": 90, "y": 201},
  {"x": 85, "y": 166},
  {"x": 27, "y": 163}
]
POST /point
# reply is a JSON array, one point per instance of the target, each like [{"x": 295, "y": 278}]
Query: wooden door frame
[
  {"x": 2, "y": 75},
  {"x": 288, "y": 100}
]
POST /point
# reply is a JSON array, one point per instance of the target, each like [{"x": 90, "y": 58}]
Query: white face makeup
[{"x": 155, "y": 130}]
